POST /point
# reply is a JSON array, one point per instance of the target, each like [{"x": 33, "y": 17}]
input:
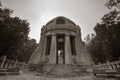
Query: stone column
[
  {"x": 53, "y": 49},
  {"x": 68, "y": 56}
]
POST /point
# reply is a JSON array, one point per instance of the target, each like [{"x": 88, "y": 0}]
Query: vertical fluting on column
[
  {"x": 67, "y": 49},
  {"x": 53, "y": 49}
]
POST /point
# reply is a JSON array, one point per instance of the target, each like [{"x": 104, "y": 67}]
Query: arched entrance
[{"x": 60, "y": 49}]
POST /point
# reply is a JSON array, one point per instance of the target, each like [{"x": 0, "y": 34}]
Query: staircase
[
  {"x": 61, "y": 70},
  {"x": 78, "y": 70}
]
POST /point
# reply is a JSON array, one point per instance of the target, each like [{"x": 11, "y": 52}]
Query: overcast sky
[{"x": 85, "y": 13}]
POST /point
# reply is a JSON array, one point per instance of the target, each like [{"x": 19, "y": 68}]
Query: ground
[{"x": 32, "y": 76}]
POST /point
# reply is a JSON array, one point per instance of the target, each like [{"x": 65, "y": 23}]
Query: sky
[{"x": 85, "y": 13}]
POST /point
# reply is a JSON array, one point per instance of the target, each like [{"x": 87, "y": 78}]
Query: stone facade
[{"x": 60, "y": 43}]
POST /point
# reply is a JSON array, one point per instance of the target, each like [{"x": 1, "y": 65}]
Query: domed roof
[
  {"x": 62, "y": 23},
  {"x": 61, "y": 20}
]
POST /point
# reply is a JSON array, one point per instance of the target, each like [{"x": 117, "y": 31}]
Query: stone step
[
  {"x": 61, "y": 69},
  {"x": 9, "y": 71},
  {"x": 3, "y": 70}
]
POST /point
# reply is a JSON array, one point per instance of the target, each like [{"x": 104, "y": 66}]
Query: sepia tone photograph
[{"x": 59, "y": 39}]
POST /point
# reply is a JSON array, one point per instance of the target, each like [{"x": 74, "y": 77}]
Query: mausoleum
[{"x": 60, "y": 46}]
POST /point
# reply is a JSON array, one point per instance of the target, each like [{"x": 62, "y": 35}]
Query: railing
[
  {"x": 6, "y": 63},
  {"x": 108, "y": 68},
  {"x": 109, "y": 65}
]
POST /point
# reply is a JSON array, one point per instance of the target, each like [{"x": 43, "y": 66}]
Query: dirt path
[{"x": 30, "y": 76}]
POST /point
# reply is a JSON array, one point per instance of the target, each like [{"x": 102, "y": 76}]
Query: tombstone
[{"x": 60, "y": 44}]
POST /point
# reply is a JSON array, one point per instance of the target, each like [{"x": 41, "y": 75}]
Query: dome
[{"x": 60, "y": 22}]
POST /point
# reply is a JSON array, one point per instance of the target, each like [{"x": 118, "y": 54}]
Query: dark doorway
[{"x": 60, "y": 49}]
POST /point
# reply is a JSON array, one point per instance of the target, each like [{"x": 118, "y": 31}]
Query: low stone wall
[
  {"x": 6, "y": 63},
  {"x": 10, "y": 67},
  {"x": 108, "y": 69}
]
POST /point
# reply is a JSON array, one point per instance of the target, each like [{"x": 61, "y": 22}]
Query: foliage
[
  {"x": 106, "y": 44},
  {"x": 14, "y": 36},
  {"x": 113, "y": 4},
  {"x": 26, "y": 51}
]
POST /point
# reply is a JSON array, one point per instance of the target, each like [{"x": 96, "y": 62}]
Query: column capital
[
  {"x": 67, "y": 34},
  {"x": 53, "y": 34}
]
